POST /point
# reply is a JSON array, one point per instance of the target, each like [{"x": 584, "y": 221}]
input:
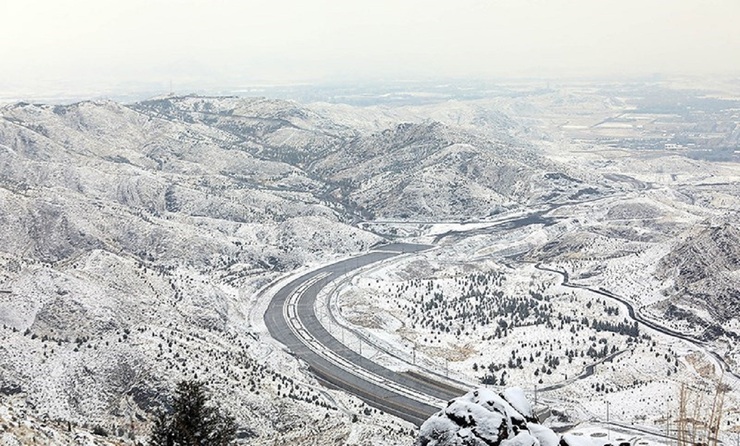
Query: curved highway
[
  {"x": 291, "y": 319},
  {"x": 634, "y": 315}
]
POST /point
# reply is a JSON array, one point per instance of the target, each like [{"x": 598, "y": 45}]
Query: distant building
[{"x": 673, "y": 146}]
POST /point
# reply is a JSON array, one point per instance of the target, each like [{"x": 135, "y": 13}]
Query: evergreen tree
[
  {"x": 161, "y": 431},
  {"x": 193, "y": 422}
]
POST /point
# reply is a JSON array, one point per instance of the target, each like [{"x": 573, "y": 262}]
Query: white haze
[{"x": 72, "y": 45}]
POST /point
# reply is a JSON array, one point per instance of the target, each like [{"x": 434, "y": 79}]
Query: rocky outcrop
[{"x": 483, "y": 417}]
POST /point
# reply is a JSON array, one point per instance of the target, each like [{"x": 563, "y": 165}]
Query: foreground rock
[{"x": 485, "y": 418}]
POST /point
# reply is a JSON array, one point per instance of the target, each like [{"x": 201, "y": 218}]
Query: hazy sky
[{"x": 71, "y": 43}]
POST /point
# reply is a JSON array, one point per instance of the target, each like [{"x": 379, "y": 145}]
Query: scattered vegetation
[{"x": 482, "y": 305}]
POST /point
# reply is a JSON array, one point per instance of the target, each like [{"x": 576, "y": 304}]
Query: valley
[{"x": 335, "y": 273}]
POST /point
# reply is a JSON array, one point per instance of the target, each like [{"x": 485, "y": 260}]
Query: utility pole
[
  {"x": 608, "y": 432},
  {"x": 667, "y": 422},
  {"x": 413, "y": 355},
  {"x": 535, "y": 394}
]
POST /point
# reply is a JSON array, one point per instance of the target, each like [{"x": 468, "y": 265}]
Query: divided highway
[{"x": 291, "y": 319}]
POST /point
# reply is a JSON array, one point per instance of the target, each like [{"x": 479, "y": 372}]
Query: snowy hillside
[
  {"x": 136, "y": 238},
  {"x": 140, "y": 243},
  {"x": 705, "y": 268},
  {"x": 133, "y": 247}
]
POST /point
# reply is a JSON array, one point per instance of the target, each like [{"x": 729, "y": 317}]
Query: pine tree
[
  {"x": 161, "y": 431},
  {"x": 193, "y": 422}
]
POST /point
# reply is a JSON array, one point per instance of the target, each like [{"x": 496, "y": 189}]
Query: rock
[
  {"x": 545, "y": 436},
  {"x": 484, "y": 418},
  {"x": 515, "y": 397}
]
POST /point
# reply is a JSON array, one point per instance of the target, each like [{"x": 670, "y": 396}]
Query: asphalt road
[
  {"x": 646, "y": 322},
  {"x": 407, "y": 396}
]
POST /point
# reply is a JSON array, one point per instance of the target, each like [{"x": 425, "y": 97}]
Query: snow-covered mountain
[
  {"x": 705, "y": 269},
  {"x": 431, "y": 170},
  {"x": 132, "y": 248},
  {"x": 424, "y": 169},
  {"x": 136, "y": 237}
]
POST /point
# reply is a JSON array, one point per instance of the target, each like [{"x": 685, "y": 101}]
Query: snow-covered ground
[
  {"x": 479, "y": 310},
  {"x": 137, "y": 240}
]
